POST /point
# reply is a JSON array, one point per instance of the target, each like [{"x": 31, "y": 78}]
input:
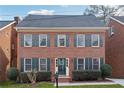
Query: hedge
[
  {"x": 85, "y": 75},
  {"x": 41, "y": 76}
]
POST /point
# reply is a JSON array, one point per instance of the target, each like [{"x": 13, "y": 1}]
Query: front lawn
[{"x": 10, "y": 84}]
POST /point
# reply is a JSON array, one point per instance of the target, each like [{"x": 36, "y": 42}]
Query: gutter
[{"x": 53, "y": 28}]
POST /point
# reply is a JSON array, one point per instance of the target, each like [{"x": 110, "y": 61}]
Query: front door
[{"x": 62, "y": 66}]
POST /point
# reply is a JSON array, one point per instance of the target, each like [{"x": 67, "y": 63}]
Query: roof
[
  {"x": 119, "y": 18},
  {"x": 60, "y": 21},
  {"x": 4, "y": 23}
]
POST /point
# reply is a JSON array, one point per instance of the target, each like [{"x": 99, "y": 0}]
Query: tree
[
  {"x": 103, "y": 11},
  {"x": 106, "y": 71}
]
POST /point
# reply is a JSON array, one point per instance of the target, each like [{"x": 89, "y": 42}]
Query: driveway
[{"x": 118, "y": 81}]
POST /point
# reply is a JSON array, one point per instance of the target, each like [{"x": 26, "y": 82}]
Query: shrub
[
  {"x": 85, "y": 75},
  {"x": 44, "y": 76},
  {"x": 12, "y": 73},
  {"x": 41, "y": 76},
  {"x": 106, "y": 71}
]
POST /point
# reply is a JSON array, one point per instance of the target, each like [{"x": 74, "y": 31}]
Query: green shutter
[
  {"x": 75, "y": 64},
  {"x": 86, "y": 64},
  {"x": 75, "y": 40},
  {"x": 90, "y": 64},
  {"x": 55, "y": 41},
  {"x": 48, "y": 40},
  {"x": 101, "y": 41},
  {"x": 67, "y": 40},
  {"x": 101, "y": 61},
  {"x": 35, "y": 40},
  {"x": 88, "y": 40},
  {"x": 35, "y": 64},
  {"x": 48, "y": 64},
  {"x": 21, "y": 39},
  {"x": 22, "y": 64}
]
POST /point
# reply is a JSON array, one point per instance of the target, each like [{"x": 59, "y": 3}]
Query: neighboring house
[
  {"x": 115, "y": 46},
  {"x": 60, "y": 43},
  {"x": 7, "y": 46}
]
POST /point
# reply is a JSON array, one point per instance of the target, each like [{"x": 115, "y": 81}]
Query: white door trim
[{"x": 67, "y": 66}]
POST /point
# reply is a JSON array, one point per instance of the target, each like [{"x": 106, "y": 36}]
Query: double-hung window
[
  {"x": 80, "y": 64},
  {"x": 80, "y": 40},
  {"x": 42, "y": 64},
  {"x": 95, "y": 40},
  {"x": 43, "y": 40},
  {"x": 27, "y": 65},
  {"x": 88, "y": 63},
  {"x": 28, "y": 40},
  {"x": 61, "y": 40},
  {"x": 95, "y": 63}
]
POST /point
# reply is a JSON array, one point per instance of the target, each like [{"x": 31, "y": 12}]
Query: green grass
[{"x": 10, "y": 84}]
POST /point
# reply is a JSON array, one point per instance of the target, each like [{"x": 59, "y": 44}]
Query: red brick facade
[
  {"x": 115, "y": 49},
  {"x": 56, "y": 52},
  {"x": 7, "y": 53}
]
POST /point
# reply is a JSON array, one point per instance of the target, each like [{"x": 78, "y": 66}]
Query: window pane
[
  {"x": 88, "y": 64},
  {"x": 96, "y": 63},
  {"x": 42, "y": 67},
  {"x": 28, "y": 40},
  {"x": 62, "y": 40},
  {"x": 42, "y": 61},
  {"x": 80, "y": 40},
  {"x": 28, "y": 67},
  {"x": 43, "y": 64},
  {"x": 43, "y": 40},
  {"x": 95, "y": 40},
  {"x": 80, "y": 64},
  {"x": 80, "y": 61},
  {"x": 80, "y": 67},
  {"x": 28, "y": 61},
  {"x": 28, "y": 64}
]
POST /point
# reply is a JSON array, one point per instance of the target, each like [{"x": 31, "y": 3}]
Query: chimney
[{"x": 17, "y": 19}]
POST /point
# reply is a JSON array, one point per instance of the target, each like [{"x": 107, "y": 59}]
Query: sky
[{"x": 9, "y": 11}]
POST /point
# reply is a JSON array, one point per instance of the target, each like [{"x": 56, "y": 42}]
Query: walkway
[
  {"x": 86, "y": 83},
  {"x": 118, "y": 81}
]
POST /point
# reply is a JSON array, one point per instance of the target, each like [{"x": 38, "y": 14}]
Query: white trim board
[
  {"x": 116, "y": 20},
  {"x": 29, "y": 28},
  {"x": 7, "y": 25}
]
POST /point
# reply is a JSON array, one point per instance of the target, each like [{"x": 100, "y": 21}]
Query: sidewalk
[
  {"x": 117, "y": 81},
  {"x": 85, "y": 83}
]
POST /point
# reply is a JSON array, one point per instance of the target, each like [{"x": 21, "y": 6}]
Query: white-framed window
[
  {"x": 43, "y": 40},
  {"x": 81, "y": 40},
  {"x": 42, "y": 64},
  {"x": 95, "y": 40},
  {"x": 88, "y": 64},
  {"x": 27, "y": 65},
  {"x": 61, "y": 40},
  {"x": 28, "y": 40},
  {"x": 80, "y": 64},
  {"x": 96, "y": 63}
]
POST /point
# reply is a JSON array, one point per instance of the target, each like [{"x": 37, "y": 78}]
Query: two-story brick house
[
  {"x": 7, "y": 46},
  {"x": 60, "y": 43},
  {"x": 115, "y": 46}
]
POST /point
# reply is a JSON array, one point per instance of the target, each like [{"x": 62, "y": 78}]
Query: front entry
[{"x": 62, "y": 66}]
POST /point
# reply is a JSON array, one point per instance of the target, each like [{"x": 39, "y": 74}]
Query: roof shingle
[
  {"x": 60, "y": 21},
  {"x": 4, "y": 23},
  {"x": 120, "y": 18}
]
